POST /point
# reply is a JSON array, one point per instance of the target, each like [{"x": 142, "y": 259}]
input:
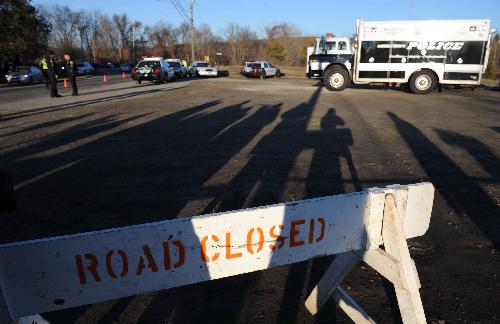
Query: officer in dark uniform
[
  {"x": 52, "y": 69},
  {"x": 71, "y": 71}
]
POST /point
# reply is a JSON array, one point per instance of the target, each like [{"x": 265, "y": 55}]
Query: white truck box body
[{"x": 390, "y": 51}]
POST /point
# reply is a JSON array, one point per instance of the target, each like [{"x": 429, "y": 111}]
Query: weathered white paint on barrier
[{"x": 60, "y": 272}]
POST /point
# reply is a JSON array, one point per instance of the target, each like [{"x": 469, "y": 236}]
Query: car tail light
[
  {"x": 158, "y": 70},
  {"x": 133, "y": 70}
]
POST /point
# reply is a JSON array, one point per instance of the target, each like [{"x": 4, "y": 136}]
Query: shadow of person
[
  {"x": 140, "y": 169},
  {"x": 205, "y": 300},
  {"x": 329, "y": 144},
  {"x": 464, "y": 195},
  {"x": 476, "y": 149},
  {"x": 260, "y": 182}
]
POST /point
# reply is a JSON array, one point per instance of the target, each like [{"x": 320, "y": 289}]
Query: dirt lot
[{"x": 229, "y": 143}]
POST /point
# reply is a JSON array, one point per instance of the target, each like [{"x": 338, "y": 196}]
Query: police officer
[
  {"x": 45, "y": 70},
  {"x": 71, "y": 71},
  {"x": 52, "y": 69}
]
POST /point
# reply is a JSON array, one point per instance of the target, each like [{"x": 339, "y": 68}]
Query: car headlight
[{"x": 24, "y": 76}]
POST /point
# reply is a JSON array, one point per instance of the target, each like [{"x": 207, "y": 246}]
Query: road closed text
[{"x": 216, "y": 247}]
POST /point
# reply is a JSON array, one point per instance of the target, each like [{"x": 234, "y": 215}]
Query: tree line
[{"x": 99, "y": 38}]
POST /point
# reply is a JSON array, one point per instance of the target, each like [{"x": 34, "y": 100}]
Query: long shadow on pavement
[
  {"x": 78, "y": 103},
  {"x": 462, "y": 194}
]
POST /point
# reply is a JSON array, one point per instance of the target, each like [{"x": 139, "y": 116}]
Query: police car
[
  {"x": 154, "y": 69},
  {"x": 260, "y": 69},
  {"x": 202, "y": 68}
]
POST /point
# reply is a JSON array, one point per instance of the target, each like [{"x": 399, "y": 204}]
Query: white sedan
[{"x": 201, "y": 68}]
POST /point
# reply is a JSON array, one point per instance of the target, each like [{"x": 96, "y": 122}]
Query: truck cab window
[
  {"x": 342, "y": 46},
  {"x": 325, "y": 47}
]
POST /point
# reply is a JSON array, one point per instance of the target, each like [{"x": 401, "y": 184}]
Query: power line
[{"x": 180, "y": 9}]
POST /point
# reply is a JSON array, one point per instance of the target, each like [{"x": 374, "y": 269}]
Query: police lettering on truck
[{"x": 421, "y": 53}]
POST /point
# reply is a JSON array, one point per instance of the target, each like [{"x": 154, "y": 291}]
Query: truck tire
[
  {"x": 423, "y": 82},
  {"x": 336, "y": 78}
]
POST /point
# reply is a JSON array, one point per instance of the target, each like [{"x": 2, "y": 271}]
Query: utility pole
[
  {"x": 191, "y": 10},
  {"x": 133, "y": 43}
]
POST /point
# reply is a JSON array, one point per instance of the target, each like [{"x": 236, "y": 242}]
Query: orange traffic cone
[
  {"x": 65, "y": 83},
  {"x": 105, "y": 78},
  {"x": 123, "y": 75}
]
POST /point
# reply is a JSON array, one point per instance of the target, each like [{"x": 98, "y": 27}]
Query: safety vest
[{"x": 43, "y": 64}]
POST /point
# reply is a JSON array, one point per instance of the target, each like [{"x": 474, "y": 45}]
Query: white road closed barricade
[{"x": 61, "y": 272}]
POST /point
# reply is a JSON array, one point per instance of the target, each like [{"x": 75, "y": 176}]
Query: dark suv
[{"x": 157, "y": 70}]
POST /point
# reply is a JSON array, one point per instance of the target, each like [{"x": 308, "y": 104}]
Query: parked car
[
  {"x": 202, "y": 68},
  {"x": 84, "y": 68},
  {"x": 260, "y": 69},
  {"x": 180, "y": 71},
  {"x": 24, "y": 74},
  {"x": 125, "y": 67},
  {"x": 153, "y": 69}
]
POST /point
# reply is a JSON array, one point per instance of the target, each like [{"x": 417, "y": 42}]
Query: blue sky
[{"x": 313, "y": 17}]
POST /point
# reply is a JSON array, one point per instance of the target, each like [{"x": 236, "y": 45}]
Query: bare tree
[
  {"x": 283, "y": 43},
  {"x": 65, "y": 25},
  {"x": 163, "y": 40},
  {"x": 99, "y": 37},
  {"x": 242, "y": 43}
]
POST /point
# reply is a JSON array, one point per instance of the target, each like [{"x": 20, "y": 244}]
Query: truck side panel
[{"x": 392, "y": 51}]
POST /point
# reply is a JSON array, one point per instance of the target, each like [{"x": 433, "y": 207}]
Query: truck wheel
[
  {"x": 336, "y": 79},
  {"x": 423, "y": 82}
]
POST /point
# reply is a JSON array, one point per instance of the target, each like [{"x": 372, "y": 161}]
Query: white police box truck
[{"x": 421, "y": 53}]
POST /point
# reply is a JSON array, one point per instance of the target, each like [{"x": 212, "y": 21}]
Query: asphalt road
[
  {"x": 16, "y": 92},
  {"x": 124, "y": 154}
]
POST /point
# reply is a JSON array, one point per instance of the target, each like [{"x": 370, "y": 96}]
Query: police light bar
[{"x": 151, "y": 58}]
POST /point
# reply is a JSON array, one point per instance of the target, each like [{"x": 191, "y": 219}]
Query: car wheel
[
  {"x": 337, "y": 78},
  {"x": 139, "y": 81},
  {"x": 423, "y": 82},
  {"x": 278, "y": 74}
]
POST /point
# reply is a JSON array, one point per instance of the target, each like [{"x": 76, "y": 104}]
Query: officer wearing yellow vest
[
  {"x": 45, "y": 70},
  {"x": 184, "y": 63}
]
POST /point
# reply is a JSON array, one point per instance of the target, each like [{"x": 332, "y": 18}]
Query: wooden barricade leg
[
  {"x": 410, "y": 304},
  {"x": 394, "y": 263},
  {"x": 338, "y": 269}
]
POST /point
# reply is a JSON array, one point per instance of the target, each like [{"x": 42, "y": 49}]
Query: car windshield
[
  {"x": 22, "y": 69},
  {"x": 203, "y": 64},
  {"x": 150, "y": 64}
]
